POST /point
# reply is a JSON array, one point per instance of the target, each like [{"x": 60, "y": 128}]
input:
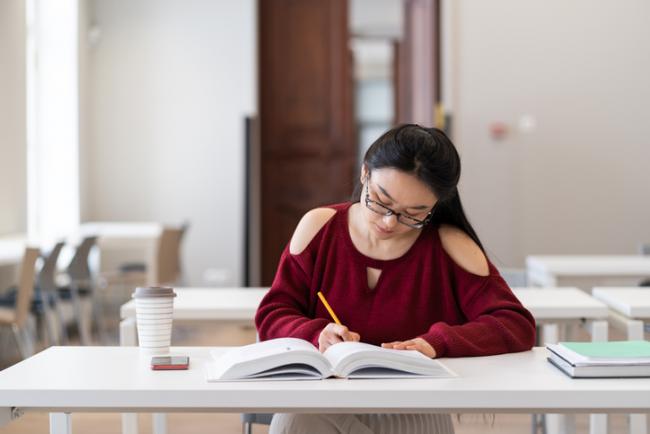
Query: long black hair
[{"x": 429, "y": 155}]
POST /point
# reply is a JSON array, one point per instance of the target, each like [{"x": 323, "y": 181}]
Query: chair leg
[
  {"x": 23, "y": 341},
  {"x": 48, "y": 327},
  {"x": 99, "y": 316},
  {"x": 82, "y": 324},
  {"x": 62, "y": 331},
  {"x": 18, "y": 340},
  {"x": 247, "y": 428}
]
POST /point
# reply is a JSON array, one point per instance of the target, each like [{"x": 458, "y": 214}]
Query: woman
[{"x": 402, "y": 268}]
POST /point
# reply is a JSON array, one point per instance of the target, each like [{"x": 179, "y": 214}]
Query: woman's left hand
[{"x": 418, "y": 344}]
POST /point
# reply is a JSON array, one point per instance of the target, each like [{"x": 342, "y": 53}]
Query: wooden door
[{"x": 308, "y": 150}]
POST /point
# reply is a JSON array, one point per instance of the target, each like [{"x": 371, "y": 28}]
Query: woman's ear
[{"x": 364, "y": 174}]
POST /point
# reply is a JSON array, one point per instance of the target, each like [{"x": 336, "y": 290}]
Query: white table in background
[
  {"x": 568, "y": 307},
  {"x": 545, "y": 270},
  {"x": 62, "y": 380},
  {"x": 630, "y": 308},
  {"x": 231, "y": 305},
  {"x": 139, "y": 237},
  {"x": 12, "y": 249}
]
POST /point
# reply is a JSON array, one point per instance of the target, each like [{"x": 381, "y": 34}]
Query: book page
[
  {"x": 263, "y": 358},
  {"x": 361, "y": 360}
]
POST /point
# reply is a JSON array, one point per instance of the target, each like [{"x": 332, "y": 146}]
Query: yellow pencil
[{"x": 329, "y": 309}]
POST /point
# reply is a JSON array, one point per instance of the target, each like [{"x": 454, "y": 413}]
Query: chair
[
  {"x": 18, "y": 317},
  {"x": 248, "y": 419},
  {"x": 80, "y": 289},
  {"x": 645, "y": 250},
  {"x": 514, "y": 277},
  {"x": 47, "y": 289},
  {"x": 169, "y": 268},
  {"x": 44, "y": 298},
  {"x": 168, "y": 257}
]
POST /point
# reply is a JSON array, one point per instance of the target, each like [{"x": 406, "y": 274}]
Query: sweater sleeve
[
  {"x": 287, "y": 309},
  {"x": 496, "y": 321}
]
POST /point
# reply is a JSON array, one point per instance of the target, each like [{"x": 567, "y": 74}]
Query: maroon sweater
[{"x": 422, "y": 293}]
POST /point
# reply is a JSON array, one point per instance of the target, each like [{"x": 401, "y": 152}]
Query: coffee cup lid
[{"x": 153, "y": 292}]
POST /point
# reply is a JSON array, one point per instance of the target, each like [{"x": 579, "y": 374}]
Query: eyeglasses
[{"x": 383, "y": 210}]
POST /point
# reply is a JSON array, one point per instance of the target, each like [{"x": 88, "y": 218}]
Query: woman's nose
[{"x": 390, "y": 220}]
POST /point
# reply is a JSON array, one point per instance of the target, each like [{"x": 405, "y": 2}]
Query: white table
[
  {"x": 135, "y": 240},
  {"x": 568, "y": 307},
  {"x": 232, "y": 305},
  {"x": 628, "y": 308},
  {"x": 550, "y": 306},
  {"x": 115, "y": 379},
  {"x": 12, "y": 249},
  {"x": 545, "y": 270},
  {"x": 633, "y": 303}
]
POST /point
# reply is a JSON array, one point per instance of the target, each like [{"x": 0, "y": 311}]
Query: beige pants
[{"x": 287, "y": 423}]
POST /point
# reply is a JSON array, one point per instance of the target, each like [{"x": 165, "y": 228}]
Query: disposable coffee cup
[{"x": 154, "y": 308}]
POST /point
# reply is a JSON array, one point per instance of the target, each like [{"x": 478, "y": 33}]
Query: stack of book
[{"x": 601, "y": 359}]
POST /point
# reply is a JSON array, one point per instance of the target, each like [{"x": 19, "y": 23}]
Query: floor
[{"x": 207, "y": 334}]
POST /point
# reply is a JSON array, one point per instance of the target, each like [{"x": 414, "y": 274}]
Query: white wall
[
  {"x": 580, "y": 181},
  {"x": 13, "y": 140},
  {"x": 169, "y": 83}
]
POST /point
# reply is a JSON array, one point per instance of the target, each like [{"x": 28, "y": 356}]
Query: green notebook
[
  {"x": 603, "y": 353},
  {"x": 622, "y": 349}
]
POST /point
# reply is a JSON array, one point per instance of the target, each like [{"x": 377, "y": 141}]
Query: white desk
[
  {"x": 567, "y": 307},
  {"x": 137, "y": 241},
  {"x": 551, "y": 306},
  {"x": 546, "y": 270},
  {"x": 92, "y": 379},
  {"x": 12, "y": 249},
  {"x": 633, "y": 303},
  {"x": 232, "y": 305}
]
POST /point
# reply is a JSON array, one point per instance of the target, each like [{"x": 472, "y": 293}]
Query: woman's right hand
[{"x": 333, "y": 334}]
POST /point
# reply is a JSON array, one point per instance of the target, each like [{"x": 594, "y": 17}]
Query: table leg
[
  {"x": 129, "y": 337},
  {"x": 598, "y": 423},
  {"x": 599, "y": 330},
  {"x": 638, "y": 423},
  {"x": 5, "y": 416},
  {"x": 159, "y": 423},
  {"x": 556, "y": 423},
  {"x": 60, "y": 423}
]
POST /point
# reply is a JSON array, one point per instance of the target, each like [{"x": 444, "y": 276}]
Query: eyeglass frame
[{"x": 390, "y": 212}]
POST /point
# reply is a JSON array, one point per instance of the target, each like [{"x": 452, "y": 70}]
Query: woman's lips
[{"x": 383, "y": 230}]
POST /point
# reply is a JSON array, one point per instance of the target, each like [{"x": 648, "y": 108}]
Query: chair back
[
  {"x": 79, "y": 270},
  {"x": 514, "y": 277},
  {"x": 26, "y": 285},
  {"x": 169, "y": 256},
  {"x": 46, "y": 277},
  {"x": 645, "y": 248}
]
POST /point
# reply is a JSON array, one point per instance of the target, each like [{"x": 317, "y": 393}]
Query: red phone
[{"x": 165, "y": 363}]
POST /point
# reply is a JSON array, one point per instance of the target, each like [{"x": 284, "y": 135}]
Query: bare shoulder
[
  {"x": 308, "y": 227},
  {"x": 463, "y": 250}
]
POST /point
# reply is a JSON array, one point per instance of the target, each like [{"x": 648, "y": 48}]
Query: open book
[{"x": 297, "y": 359}]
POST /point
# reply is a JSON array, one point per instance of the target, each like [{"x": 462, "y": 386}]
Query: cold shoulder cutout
[
  {"x": 463, "y": 250},
  {"x": 312, "y": 222}
]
